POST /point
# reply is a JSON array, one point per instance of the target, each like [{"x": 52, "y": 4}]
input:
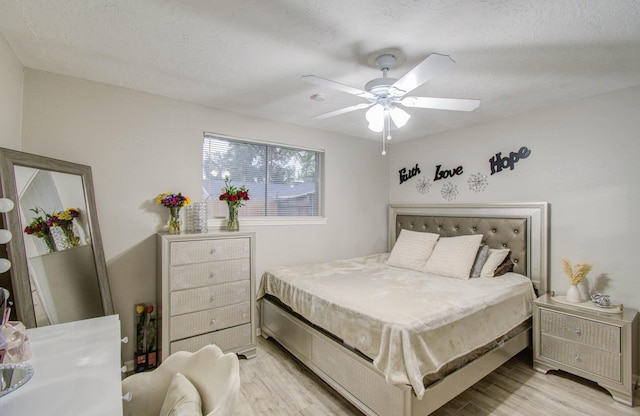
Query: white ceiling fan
[{"x": 385, "y": 95}]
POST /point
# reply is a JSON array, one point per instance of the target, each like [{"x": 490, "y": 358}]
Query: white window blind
[{"x": 282, "y": 181}]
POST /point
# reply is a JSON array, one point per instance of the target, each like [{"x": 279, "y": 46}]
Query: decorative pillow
[
  {"x": 182, "y": 398},
  {"x": 505, "y": 267},
  {"x": 496, "y": 257},
  {"x": 454, "y": 256},
  {"x": 412, "y": 249},
  {"x": 481, "y": 258}
]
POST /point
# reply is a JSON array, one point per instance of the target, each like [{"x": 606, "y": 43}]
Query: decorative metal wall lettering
[
  {"x": 447, "y": 173},
  {"x": 498, "y": 162},
  {"x": 406, "y": 175}
]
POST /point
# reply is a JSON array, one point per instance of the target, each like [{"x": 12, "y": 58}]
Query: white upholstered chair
[{"x": 215, "y": 375}]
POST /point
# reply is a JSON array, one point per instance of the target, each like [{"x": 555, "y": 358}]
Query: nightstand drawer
[
  {"x": 197, "y": 323},
  {"x": 594, "y": 334},
  {"x": 192, "y": 300},
  {"x": 198, "y": 251},
  {"x": 226, "y": 339},
  {"x": 580, "y": 356},
  {"x": 207, "y": 274}
]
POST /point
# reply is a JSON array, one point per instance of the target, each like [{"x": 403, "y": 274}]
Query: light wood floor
[{"x": 274, "y": 383}]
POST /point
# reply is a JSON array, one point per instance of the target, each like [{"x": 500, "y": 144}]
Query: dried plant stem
[{"x": 577, "y": 273}]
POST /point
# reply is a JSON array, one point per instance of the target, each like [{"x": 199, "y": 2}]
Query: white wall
[
  {"x": 140, "y": 145},
  {"x": 584, "y": 162},
  {"x": 11, "y": 82}
]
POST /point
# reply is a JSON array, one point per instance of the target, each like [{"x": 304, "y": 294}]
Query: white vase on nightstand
[{"x": 573, "y": 294}]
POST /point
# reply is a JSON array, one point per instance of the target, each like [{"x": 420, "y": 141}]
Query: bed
[{"x": 402, "y": 341}]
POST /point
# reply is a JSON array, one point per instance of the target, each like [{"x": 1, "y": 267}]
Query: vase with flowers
[
  {"x": 174, "y": 202},
  {"x": 576, "y": 274},
  {"x": 64, "y": 220},
  {"x": 234, "y": 197},
  {"x": 38, "y": 227}
]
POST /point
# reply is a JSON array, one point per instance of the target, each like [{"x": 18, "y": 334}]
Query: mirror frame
[{"x": 23, "y": 301}]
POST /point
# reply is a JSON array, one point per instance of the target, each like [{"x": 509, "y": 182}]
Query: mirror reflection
[{"x": 62, "y": 271}]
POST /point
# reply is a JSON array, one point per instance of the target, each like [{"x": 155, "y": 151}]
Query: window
[{"x": 282, "y": 181}]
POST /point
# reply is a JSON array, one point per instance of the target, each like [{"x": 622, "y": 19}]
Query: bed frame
[{"x": 522, "y": 227}]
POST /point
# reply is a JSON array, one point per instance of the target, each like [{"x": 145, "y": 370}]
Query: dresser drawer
[
  {"x": 226, "y": 339},
  {"x": 197, "y": 323},
  {"x": 207, "y": 274},
  {"x": 198, "y": 299},
  {"x": 198, "y": 251},
  {"x": 591, "y": 333},
  {"x": 580, "y": 356}
]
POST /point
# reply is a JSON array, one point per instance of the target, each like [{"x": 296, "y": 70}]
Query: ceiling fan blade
[
  {"x": 342, "y": 111},
  {"x": 456, "y": 104},
  {"x": 424, "y": 71},
  {"x": 337, "y": 86}
]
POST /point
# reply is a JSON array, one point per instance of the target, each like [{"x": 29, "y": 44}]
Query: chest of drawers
[
  {"x": 599, "y": 346},
  {"x": 206, "y": 292}
]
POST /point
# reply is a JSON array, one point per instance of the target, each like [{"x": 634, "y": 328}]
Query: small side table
[{"x": 601, "y": 347}]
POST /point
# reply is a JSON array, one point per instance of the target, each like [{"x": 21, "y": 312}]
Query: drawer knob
[
  {"x": 213, "y": 321},
  {"x": 212, "y": 298},
  {"x": 212, "y": 275},
  {"x": 576, "y": 330},
  {"x": 213, "y": 251},
  {"x": 577, "y": 356}
]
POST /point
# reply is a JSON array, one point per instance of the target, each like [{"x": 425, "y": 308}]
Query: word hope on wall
[{"x": 498, "y": 162}]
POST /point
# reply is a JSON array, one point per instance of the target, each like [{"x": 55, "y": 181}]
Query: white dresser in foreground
[
  {"x": 76, "y": 371},
  {"x": 206, "y": 292}
]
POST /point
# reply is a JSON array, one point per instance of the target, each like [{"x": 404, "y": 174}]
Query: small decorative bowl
[{"x": 601, "y": 300}]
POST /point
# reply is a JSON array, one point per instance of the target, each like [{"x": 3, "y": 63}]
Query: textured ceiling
[{"x": 248, "y": 55}]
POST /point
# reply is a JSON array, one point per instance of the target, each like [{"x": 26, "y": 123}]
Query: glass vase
[
  {"x": 232, "y": 221},
  {"x": 67, "y": 229},
  {"x": 48, "y": 241},
  {"x": 197, "y": 217},
  {"x": 59, "y": 238},
  {"x": 174, "y": 221}
]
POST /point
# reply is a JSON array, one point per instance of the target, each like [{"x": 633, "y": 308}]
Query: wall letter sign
[
  {"x": 447, "y": 173},
  {"x": 405, "y": 176},
  {"x": 498, "y": 162}
]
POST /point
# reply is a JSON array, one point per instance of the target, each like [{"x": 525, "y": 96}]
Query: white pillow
[
  {"x": 412, "y": 249},
  {"x": 454, "y": 256},
  {"x": 496, "y": 257},
  {"x": 182, "y": 398}
]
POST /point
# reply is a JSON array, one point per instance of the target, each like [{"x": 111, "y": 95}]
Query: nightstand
[{"x": 599, "y": 346}]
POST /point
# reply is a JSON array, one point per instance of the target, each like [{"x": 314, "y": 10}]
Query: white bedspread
[{"x": 410, "y": 323}]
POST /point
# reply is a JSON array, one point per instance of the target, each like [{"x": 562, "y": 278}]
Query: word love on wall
[
  {"x": 447, "y": 173},
  {"x": 498, "y": 162},
  {"x": 406, "y": 174}
]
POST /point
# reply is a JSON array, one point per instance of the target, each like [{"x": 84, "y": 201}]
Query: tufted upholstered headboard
[{"x": 522, "y": 228}]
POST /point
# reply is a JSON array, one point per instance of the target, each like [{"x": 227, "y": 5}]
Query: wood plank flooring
[{"x": 276, "y": 384}]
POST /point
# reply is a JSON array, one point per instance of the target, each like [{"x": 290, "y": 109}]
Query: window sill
[{"x": 250, "y": 221}]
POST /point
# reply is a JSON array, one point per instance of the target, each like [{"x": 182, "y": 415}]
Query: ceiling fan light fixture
[
  {"x": 375, "y": 117},
  {"x": 399, "y": 116},
  {"x": 383, "y": 94}
]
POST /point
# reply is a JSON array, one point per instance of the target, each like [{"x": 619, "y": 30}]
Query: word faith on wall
[{"x": 405, "y": 174}]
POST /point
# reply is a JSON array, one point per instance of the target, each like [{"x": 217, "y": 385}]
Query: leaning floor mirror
[{"x": 58, "y": 270}]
